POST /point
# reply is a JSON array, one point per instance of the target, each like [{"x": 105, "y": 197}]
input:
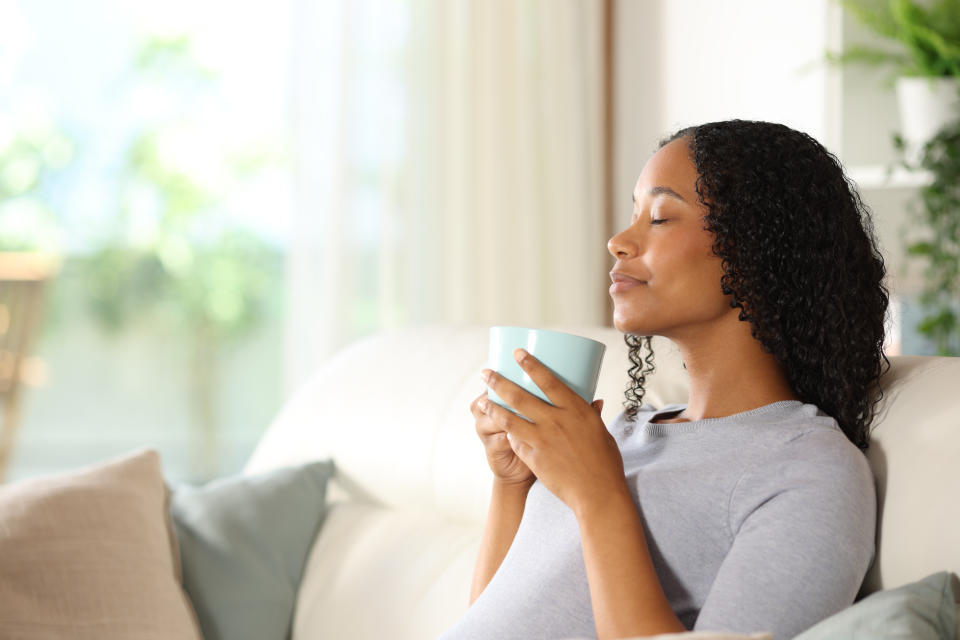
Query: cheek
[
  {"x": 702, "y": 267},
  {"x": 693, "y": 250}
]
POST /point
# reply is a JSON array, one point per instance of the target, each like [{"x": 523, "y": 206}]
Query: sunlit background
[
  {"x": 147, "y": 145},
  {"x": 216, "y": 196}
]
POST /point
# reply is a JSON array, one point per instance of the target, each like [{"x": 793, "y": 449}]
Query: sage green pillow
[
  {"x": 919, "y": 610},
  {"x": 243, "y": 545}
]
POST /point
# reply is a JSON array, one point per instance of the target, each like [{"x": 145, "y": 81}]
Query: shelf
[{"x": 876, "y": 177}]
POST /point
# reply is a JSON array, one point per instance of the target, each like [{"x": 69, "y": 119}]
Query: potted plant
[
  {"x": 939, "y": 217},
  {"x": 925, "y": 56}
]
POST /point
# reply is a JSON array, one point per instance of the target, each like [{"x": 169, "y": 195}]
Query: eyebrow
[{"x": 661, "y": 190}]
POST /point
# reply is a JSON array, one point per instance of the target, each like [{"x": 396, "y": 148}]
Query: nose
[{"x": 622, "y": 245}]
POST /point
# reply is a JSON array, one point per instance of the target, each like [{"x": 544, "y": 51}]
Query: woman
[{"x": 749, "y": 508}]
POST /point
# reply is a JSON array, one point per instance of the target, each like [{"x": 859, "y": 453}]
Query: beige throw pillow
[{"x": 92, "y": 554}]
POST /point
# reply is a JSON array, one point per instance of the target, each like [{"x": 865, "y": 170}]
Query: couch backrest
[
  {"x": 392, "y": 410},
  {"x": 914, "y": 446}
]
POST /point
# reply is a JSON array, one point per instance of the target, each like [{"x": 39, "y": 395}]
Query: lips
[
  {"x": 622, "y": 282},
  {"x": 617, "y": 276}
]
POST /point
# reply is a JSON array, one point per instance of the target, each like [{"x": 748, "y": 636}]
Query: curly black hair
[{"x": 799, "y": 257}]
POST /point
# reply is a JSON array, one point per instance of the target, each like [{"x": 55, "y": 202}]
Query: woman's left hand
[{"x": 566, "y": 445}]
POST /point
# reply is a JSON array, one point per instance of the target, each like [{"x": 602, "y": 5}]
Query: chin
[
  {"x": 639, "y": 326},
  {"x": 626, "y": 326}
]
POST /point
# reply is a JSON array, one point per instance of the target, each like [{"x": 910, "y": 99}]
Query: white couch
[{"x": 395, "y": 556}]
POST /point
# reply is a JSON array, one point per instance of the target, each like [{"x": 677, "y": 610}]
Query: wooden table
[{"x": 23, "y": 280}]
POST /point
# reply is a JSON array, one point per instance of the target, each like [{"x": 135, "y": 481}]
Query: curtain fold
[{"x": 449, "y": 168}]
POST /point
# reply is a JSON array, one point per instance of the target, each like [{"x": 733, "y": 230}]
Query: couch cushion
[
  {"x": 915, "y": 443},
  {"x": 91, "y": 554},
  {"x": 922, "y": 610},
  {"x": 244, "y": 542},
  {"x": 385, "y": 573}
]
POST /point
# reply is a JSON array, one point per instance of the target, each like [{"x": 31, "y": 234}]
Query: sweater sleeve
[{"x": 803, "y": 526}]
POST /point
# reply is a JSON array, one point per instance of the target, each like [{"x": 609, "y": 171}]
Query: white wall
[
  {"x": 683, "y": 62},
  {"x": 743, "y": 59}
]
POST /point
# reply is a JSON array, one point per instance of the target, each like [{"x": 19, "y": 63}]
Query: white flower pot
[{"x": 926, "y": 105}]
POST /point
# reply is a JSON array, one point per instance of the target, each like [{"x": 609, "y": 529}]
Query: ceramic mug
[{"x": 575, "y": 360}]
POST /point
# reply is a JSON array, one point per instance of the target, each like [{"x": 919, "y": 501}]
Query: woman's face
[{"x": 668, "y": 247}]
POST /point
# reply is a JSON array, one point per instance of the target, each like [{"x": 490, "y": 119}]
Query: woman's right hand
[{"x": 507, "y": 467}]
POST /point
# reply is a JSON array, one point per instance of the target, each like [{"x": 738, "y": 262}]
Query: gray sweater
[{"x": 759, "y": 521}]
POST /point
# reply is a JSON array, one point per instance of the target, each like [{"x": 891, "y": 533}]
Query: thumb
[{"x": 598, "y": 405}]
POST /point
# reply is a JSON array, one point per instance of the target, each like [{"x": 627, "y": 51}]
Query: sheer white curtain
[{"x": 449, "y": 168}]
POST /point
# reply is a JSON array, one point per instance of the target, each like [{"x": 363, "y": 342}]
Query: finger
[
  {"x": 598, "y": 405},
  {"x": 516, "y": 396},
  {"x": 522, "y": 449},
  {"x": 486, "y": 427},
  {"x": 553, "y": 387},
  {"x": 487, "y": 416},
  {"x": 500, "y": 419},
  {"x": 475, "y": 405}
]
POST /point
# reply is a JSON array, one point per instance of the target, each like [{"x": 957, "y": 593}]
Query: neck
[{"x": 729, "y": 371}]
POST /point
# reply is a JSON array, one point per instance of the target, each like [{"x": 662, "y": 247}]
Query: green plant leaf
[
  {"x": 928, "y": 36},
  {"x": 873, "y": 14}
]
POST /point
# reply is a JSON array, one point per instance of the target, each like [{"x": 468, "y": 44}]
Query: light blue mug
[{"x": 575, "y": 360}]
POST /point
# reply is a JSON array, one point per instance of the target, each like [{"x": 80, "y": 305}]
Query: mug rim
[{"x": 553, "y": 331}]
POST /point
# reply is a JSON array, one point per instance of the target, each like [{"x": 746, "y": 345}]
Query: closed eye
[{"x": 652, "y": 220}]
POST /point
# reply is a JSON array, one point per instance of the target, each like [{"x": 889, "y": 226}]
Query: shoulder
[
  {"x": 806, "y": 438},
  {"x": 810, "y": 468},
  {"x": 815, "y": 446}
]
